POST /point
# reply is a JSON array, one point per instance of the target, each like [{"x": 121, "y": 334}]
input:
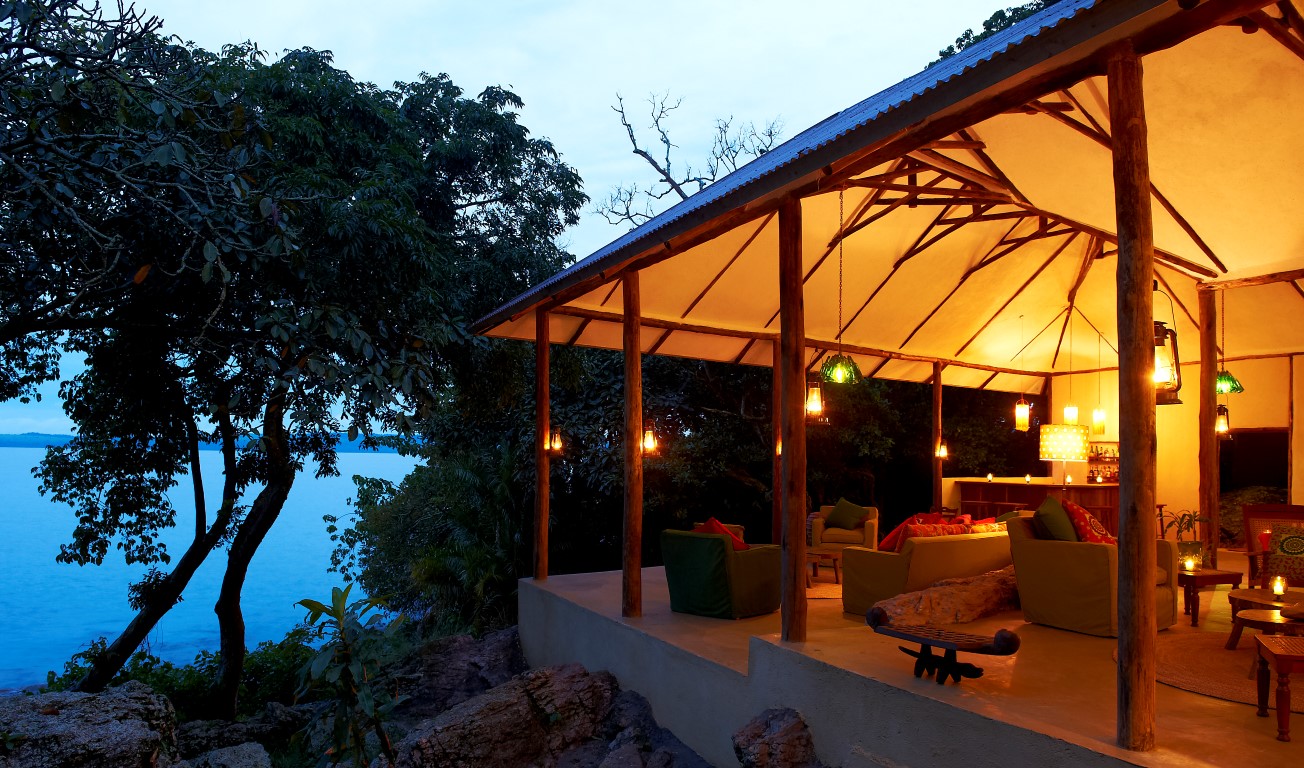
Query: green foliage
[
  {"x": 1181, "y": 523},
  {"x": 999, "y": 20},
  {"x": 1230, "y": 517},
  {"x": 349, "y": 671},
  {"x": 271, "y": 674}
]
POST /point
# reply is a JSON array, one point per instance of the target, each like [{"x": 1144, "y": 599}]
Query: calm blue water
[{"x": 49, "y": 610}]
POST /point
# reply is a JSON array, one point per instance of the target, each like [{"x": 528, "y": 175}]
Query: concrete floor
[{"x": 1060, "y": 684}]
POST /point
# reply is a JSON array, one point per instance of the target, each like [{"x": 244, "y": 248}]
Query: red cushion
[
  {"x": 715, "y": 526},
  {"x": 893, "y": 540},
  {"x": 1086, "y": 525},
  {"x": 913, "y": 531}
]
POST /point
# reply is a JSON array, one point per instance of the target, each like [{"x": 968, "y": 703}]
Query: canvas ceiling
[{"x": 992, "y": 248}]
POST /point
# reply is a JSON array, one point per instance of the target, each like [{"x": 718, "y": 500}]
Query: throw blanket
[{"x": 956, "y": 601}]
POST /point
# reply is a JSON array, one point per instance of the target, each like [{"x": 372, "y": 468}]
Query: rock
[
  {"x": 450, "y": 670},
  {"x": 955, "y": 601},
  {"x": 250, "y": 755},
  {"x": 270, "y": 728},
  {"x": 624, "y": 756},
  {"x": 530, "y": 719},
  {"x": 128, "y": 726},
  {"x": 776, "y": 738}
]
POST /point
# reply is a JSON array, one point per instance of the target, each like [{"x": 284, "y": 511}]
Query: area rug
[
  {"x": 1197, "y": 661},
  {"x": 822, "y": 587}
]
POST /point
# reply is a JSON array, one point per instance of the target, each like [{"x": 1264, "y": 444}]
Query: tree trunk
[
  {"x": 168, "y": 592},
  {"x": 252, "y": 531}
]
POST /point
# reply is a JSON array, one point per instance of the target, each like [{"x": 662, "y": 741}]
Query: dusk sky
[{"x": 760, "y": 61}]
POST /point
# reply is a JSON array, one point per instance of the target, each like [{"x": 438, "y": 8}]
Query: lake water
[{"x": 49, "y": 610}]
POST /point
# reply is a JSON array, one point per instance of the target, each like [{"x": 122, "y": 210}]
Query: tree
[
  {"x": 999, "y": 20},
  {"x": 731, "y": 147},
  {"x": 339, "y": 308}
]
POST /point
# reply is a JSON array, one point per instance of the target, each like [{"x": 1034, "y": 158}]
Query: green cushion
[
  {"x": 1008, "y": 515},
  {"x": 845, "y": 515},
  {"x": 1053, "y": 521}
]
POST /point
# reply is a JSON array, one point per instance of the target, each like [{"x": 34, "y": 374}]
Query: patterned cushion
[
  {"x": 929, "y": 529},
  {"x": 1286, "y": 552},
  {"x": 892, "y": 540},
  {"x": 1086, "y": 525},
  {"x": 985, "y": 528}
]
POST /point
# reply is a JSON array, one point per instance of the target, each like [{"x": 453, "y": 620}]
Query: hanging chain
[
  {"x": 1222, "y": 326},
  {"x": 841, "y": 237}
]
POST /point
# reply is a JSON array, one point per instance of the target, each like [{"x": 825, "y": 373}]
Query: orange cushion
[
  {"x": 1086, "y": 525},
  {"x": 926, "y": 530},
  {"x": 715, "y": 526}
]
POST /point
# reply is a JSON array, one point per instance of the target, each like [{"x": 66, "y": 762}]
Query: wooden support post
[
  {"x": 776, "y": 445},
  {"x": 632, "y": 562},
  {"x": 542, "y": 433},
  {"x": 937, "y": 436},
  {"x": 793, "y": 387},
  {"x": 1136, "y": 408},
  {"x": 1209, "y": 480}
]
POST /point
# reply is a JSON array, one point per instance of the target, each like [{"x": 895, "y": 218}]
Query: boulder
[
  {"x": 450, "y": 670},
  {"x": 128, "y": 726},
  {"x": 250, "y": 755},
  {"x": 776, "y": 738},
  {"x": 531, "y": 719},
  {"x": 271, "y": 727},
  {"x": 956, "y": 601}
]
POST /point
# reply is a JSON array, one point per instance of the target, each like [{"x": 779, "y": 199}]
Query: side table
[
  {"x": 1242, "y": 599},
  {"x": 1283, "y": 654},
  {"x": 1192, "y": 582}
]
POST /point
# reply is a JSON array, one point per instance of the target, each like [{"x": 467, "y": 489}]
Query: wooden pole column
[
  {"x": 1136, "y": 407},
  {"x": 776, "y": 447},
  {"x": 1209, "y": 479},
  {"x": 792, "y": 370},
  {"x": 632, "y": 562},
  {"x": 542, "y": 433},
  {"x": 937, "y": 436}
]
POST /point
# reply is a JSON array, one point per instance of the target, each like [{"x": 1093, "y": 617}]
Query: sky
[{"x": 568, "y": 59}]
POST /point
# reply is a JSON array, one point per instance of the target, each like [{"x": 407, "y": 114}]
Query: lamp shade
[
  {"x": 1071, "y": 414},
  {"x": 1222, "y": 424},
  {"x": 1064, "y": 442},
  {"x": 840, "y": 369},
  {"x": 1227, "y": 384},
  {"x": 1098, "y": 421}
]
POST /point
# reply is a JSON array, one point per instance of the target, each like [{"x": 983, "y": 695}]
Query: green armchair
[
  {"x": 707, "y": 577},
  {"x": 1073, "y": 585}
]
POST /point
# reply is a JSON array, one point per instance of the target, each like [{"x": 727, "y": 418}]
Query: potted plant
[{"x": 1183, "y": 522}]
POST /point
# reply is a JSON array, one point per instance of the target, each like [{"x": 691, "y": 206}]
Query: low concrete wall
[
  {"x": 700, "y": 701},
  {"x": 857, "y": 721}
]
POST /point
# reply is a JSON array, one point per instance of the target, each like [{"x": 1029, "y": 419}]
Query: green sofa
[
  {"x": 707, "y": 577},
  {"x": 869, "y": 575},
  {"x": 1073, "y": 585}
]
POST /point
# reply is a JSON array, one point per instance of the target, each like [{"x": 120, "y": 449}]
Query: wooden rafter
[
  {"x": 988, "y": 380},
  {"x": 614, "y": 285},
  {"x": 910, "y": 252},
  {"x": 1176, "y": 299},
  {"x": 1088, "y": 256},
  {"x": 738, "y": 359},
  {"x": 1016, "y": 294},
  {"x": 692, "y": 305},
  {"x": 1295, "y": 285},
  {"x": 1038, "y": 334},
  {"x": 1097, "y": 134},
  {"x": 656, "y": 345},
  {"x": 959, "y": 170},
  {"x": 982, "y": 262},
  {"x": 844, "y": 231},
  {"x": 584, "y": 324},
  {"x": 990, "y": 165},
  {"x": 1279, "y": 30},
  {"x": 1082, "y": 109},
  {"x": 1099, "y": 333},
  {"x": 1161, "y": 256}
]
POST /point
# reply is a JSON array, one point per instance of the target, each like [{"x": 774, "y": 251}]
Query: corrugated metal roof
[{"x": 808, "y": 141}]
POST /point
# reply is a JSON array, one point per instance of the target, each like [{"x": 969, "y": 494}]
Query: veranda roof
[{"x": 973, "y": 208}]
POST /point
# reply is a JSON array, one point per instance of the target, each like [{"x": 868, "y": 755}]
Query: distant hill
[{"x": 38, "y": 440}]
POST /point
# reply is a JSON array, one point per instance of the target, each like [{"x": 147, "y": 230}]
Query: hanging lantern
[
  {"x": 941, "y": 451},
  {"x": 554, "y": 445},
  {"x": 1222, "y": 424},
  {"x": 1168, "y": 366},
  {"x": 815, "y": 402},
  {"x": 1022, "y": 414},
  {"x": 649, "y": 441},
  {"x": 1098, "y": 421},
  {"x": 1227, "y": 384},
  {"x": 840, "y": 369},
  {"x": 1070, "y": 414}
]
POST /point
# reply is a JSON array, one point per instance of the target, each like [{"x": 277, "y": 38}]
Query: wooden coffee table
[
  {"x": 1192, "y": 582},
  {"x": 832, "y": 556},
  {"x": 1243, "y": 600},
  {"x": 1283, "y": 654}
]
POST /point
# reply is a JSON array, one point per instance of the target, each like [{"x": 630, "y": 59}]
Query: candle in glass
[
  {"x": 1278, "y": 586},
  {"x": 1188, "y": 563}
]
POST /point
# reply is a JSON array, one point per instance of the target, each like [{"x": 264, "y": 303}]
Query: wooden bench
[{"x": 929, "y": 636}]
